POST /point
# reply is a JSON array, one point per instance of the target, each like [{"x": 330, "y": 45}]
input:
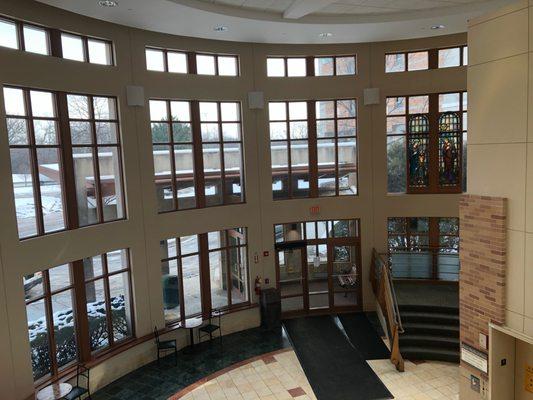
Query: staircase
[{"x": 430, "y": 333}]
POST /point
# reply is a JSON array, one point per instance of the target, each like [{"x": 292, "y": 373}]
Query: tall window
[
  {"x": 313, "y": 147},
  {"x": 204, "y": 272},
  {"x": 65, "y": 160},
  {"x": 63, "y": 331},
  {"x": 311, "y": 66},
  {"x": 425, "y": 143},
  {"x": 198, "y": 153}
]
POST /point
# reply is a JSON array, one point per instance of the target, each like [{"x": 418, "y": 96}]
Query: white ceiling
[{"x": 290, "y": 21}]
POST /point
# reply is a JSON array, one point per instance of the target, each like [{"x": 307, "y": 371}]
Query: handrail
[{"x": 383, "y": 287}]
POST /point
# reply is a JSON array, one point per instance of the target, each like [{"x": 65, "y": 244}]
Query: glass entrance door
[{"x": 291, "y": 282}]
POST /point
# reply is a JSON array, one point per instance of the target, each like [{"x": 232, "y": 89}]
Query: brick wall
[{"x": 483, "y": 265}]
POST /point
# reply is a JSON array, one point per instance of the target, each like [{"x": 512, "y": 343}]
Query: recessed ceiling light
[
  {"x": 435, "y": 27},
  {"x": 108, "y": 3},
  {"x": 325, "y": 34},
  {"x": 220, "y": 28}
]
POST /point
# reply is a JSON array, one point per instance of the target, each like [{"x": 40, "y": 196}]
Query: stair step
[
  {"x": 431, "y": 329},
  {"x": 429, "y": 353},
  {"x": 433, "y": 341},
  {"x": 428, "y": 309},
  {"x": 430, "y": 317}
]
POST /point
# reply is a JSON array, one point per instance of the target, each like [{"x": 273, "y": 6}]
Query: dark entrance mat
[
  {"x": 335, "y": 370},
  {"x": 364, "y": 337}
]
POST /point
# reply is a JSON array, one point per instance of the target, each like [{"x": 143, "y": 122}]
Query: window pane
[
  {"x": 180, "y": 110},
  {"x": 324, "y": 66},
  {"x": 345, "y": 65},
  {"x": 177, "y": 62},
  {"x": 8, "y": 34},
  {"x": 99, "y": 52},
  {"x": 85, "y": 185},
  {"x": 162, "y": 177},
  {"x": 230, "y": 111},
  {"x": 35, "y": 40},
  {"x": 110, "y": 183},
  {"x": 92, "y": 267},
  {"x": 347, "y": 178},
  {"x": 64, "y": 328},
  {"x": 449, "y": 57},
  {"x": 17, "y": 131},
  {"x": 297, "y": 110},
  {"x": 97, "y": 314},
  {"x": 158, "y": 110},
  {"x": 465, "y": 55},
  {"x": 227, "y": 66},
  {"x": 396, "y": 126},
  {"x": 45, "y": 131},
  {"x": 104, "y": 108},
  {"x": 298, "y": 130},
  {"x": 296, "y": 67},
  {"x": 42, "y": 104},
  {"x": 275, "y": 67},
  {"x": 396, "y": 105},
  {"x": 418, "y": 104},
  {"x": 233, "y": 173},
  {"x": 155, "y": 60},
  {"x": 106, "y": 132},
  {"x": 280, "y": 169},
  {"x": 239, "y": 275},
  {"x": 208, "y": 111},
  {"x": 117, "y": 260},
  {"x": 205, "y": 64},
  {"x": 449, "y": 102},
  {"x": 417, "y": 61},
  {"x": 396, "y": 164},
  {"x": 81, "y": 132},
  {"x": 51, "y": 189},
  {"x": 78, "y": 106},
  {"x": 219, "y": 278},
  {"x": 171, "y": 295},
  {"x": 277, "y": 111},
  {"x": 346, "y": 109},
  {"x": 23, "y": 190},
  {"x": 300, "y": 168},
  {"x": 72, "y": 47},
  {"x": 210, "y": 133},
  {"x": 191, "y": 285},
  {"x": 212, "y": 174},
  {"x": 33, "y": 286},
  {"x": 119, "y": 293},
  {"x": 14, "y": 101},
  {"x": 394, "y": 62},
  {"x": 188, "y": 244},
  {"x": 325, "y": 109},
  {"x": 38, "y": 337},
  {"x": 325, "y": 128},
  {"x": 326, "y": 167},
  {"x": 184, "y": 167}
]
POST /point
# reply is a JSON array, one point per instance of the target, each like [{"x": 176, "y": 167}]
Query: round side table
[{"x": 55, "y": 391}]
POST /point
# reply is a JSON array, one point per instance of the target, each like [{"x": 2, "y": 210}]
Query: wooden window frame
[
  {"x": 433, "y": 58},
  {"x": 67, "y": 179},
  {"x": 312, "y": 145},
  {"x": 197, "y": 150},
  {"x": 433, "y": 135},
  {"x": 192, "y": 66},
  {"x": 79, "y": 309},
  {"x": 54, "y": 44},
  {"x": 203, "y": 254},
  {"x": 310, "y": 65}
]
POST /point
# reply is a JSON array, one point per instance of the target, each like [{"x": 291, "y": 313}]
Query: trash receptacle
[{"x": 270, "y": 308}]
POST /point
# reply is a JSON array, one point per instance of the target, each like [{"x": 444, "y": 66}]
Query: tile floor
[{"x": 279, "y": 376}]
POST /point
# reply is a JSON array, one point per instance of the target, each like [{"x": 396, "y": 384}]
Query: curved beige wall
[{"x": 144, "y": 227}]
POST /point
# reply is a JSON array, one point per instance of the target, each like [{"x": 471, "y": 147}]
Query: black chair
[
  {"x": 213, "y": 325},
  {"x": 82, "y": 374},
  {"x": 165, "y": 346}
]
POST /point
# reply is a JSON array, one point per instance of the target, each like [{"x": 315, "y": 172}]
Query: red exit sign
[{"x": 313, "y": 210}]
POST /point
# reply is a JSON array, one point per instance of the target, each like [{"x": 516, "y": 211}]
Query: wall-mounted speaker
[
  {"x": 256, "y": 100},
  {"x": 135, "y": 96},
  {"x": 371, "y": 96}
]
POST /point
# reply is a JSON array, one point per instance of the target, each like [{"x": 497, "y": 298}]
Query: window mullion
[
  {"x": 199, "y": 177},
  {"x": 34, "y": 165},
  {"x": 173, "y": 185},
  {"x": 225, "y": 199},
  {"x": 433, "y": 164},
  {"x": 96, "y": 164},
  {"x": 107, "y": 292},
  {"x": 180, "y": 280},
  {"x": 82, "y": 322},
  {"x": 205, "y": 281},
  {"x": 67, "y": 161},
  {"x": 228, "y": 269},
  {"x": 50, "y": 323},
  {"x": 312, "y": 148}
]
